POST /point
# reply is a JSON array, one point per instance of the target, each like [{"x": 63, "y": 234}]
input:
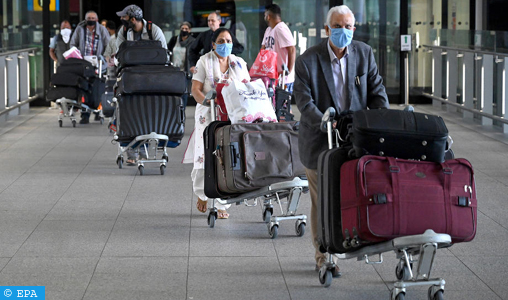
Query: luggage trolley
[
  {"x": 416, "y": 253},
  {"x": 70, "y": 106},
  {"x": 267, "y": 196}
]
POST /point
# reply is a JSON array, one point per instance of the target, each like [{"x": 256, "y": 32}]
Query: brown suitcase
[{"x": 252, "y": 156}]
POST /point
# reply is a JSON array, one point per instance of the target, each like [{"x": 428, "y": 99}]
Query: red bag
[
  {"x": 383, "y": 198},
  {"x": 265, "y": 65},
  {"x": 222, "y": 113}
]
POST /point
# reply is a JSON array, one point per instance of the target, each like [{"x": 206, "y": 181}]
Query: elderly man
[
  {"x": 61, "y": 42},
  {"x": 338, "y": 73},
  {"x": 204, "y": 41}
]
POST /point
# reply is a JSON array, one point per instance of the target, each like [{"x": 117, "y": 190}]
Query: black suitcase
[
  {"x": 211, "y": 185},
  {"x": 151, "y": 80},
  {"x": 330, "y": 238},
  {"x": 108, "y": 110},
  {"x": 77, "y": 66},
  {"x": 72, "y": 93},
  {"x": 401, "y": 134},
  {"x": 144, "y": 52},
  {"x": 283, "y": 105},
  {"x": 69, "y": 79},
  {"x": 97, "y": 88},
  {"x": 143, "y": 114}
]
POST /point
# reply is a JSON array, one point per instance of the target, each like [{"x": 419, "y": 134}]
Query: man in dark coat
[{"x": 338, "y": 73}]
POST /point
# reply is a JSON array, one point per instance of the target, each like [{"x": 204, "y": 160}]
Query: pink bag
[
  {"x": 265, "y": 65},
  {"x": 72, "y": 53}
]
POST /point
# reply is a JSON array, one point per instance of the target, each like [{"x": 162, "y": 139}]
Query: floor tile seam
[
  {"x": 477, "y": 276},
  {"x": 189, "y": 244},
  {"x": 110, "y": 232},
  {"x": 490, "y": 218},
  {"x": 491, "y": 177},
  {"x": 281, "y": 270}
]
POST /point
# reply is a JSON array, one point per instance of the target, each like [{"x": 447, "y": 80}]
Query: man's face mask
[
  {"x": 90, "y": 22},
  {"x": 66, "y": 34},
  {"x": 341, "y": 37}
]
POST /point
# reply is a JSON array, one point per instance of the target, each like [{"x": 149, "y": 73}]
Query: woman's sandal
[
  {"x": 222, "y": 214},
  {"x": 131, "y": 161},
  {"x": 201, "y": 205}
]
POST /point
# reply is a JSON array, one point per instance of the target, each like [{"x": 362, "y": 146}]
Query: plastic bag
[
  {"x": 248, "y": 102},
  {"x": 72, "y": 52}
]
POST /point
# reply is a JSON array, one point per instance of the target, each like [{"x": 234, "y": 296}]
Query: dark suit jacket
[
  {"x": 314, "y": 92},
  {"x": 204, "y": 42}
]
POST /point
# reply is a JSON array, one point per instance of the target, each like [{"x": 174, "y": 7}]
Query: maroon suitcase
[{"x": 383, "y": 198}]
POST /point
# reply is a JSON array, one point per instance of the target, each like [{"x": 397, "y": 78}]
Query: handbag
[
  {"x": 248, "y": 102},
  {"x": 265, "y": 65}
]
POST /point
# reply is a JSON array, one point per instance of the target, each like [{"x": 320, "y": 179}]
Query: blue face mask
[
  {"x": 224, "y": 50},
  {"x": 341, "y": 37}
]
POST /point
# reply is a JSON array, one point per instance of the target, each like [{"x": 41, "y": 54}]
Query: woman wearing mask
[
  {"x": 179, "y": 46},
  {"x": 214, "y": 67}
]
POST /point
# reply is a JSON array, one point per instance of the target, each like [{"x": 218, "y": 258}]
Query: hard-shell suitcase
[
  {"x": 401, "y": 134},
  {"x": 72, "y": 93},
  {"x": 211, "y": 185},
  {"x": 143, "y": 114},
  {"x": 283, "y": 105},
  {"x": 151, "y": 80},
  {"x": 256, "y": 155},
  {"x": 383, "y": 198},
  {"x": 77, "y": 66},
  {"x": 108, "y": 110},
  {"x": 329, "y": 222},
  {"x": 97, "y": 88},
  {"x": 70, "y": 79},
  {"x": 144, "y": 52}
]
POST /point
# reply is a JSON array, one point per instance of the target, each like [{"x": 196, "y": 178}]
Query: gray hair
[{"x": 341, "y": 10}]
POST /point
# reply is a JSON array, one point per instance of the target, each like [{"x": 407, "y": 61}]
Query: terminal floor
[{"x": 70, "y": 220}]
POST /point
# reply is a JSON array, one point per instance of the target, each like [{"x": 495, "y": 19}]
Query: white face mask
[{"x": 66, "y": 34}]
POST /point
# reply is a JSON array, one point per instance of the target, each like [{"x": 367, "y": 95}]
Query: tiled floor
[{"x": 72, "y": 221}]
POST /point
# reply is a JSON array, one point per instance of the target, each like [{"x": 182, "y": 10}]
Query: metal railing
[
  {"x": 15, "y": 83},
  {"x": 471, "y": 81}
]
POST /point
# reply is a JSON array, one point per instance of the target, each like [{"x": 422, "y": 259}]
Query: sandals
[
  {"x": 131, "y": 161},
  {"x": 201, "y": 205},
  {"x": 222, "y": 214}
]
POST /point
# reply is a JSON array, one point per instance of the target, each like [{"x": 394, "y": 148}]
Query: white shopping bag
[
  {"x": 92, "y": 59},
  {"x": 73, "y": 52},
  {"x": 248, "y": 102}
]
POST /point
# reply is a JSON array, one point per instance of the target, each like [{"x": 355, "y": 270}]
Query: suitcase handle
[{"x": 234, "y": 151}]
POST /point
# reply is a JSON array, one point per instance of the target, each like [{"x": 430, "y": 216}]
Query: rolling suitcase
[
  {"x": 70, "y": 79},
  {"x": 97, "y": 89},
  {"x": 330, "y": 236},
  {"x": 151, "y": 80},
  {"x": 143, "y": 114},
  {"x": 256, "y": 155},
  {"x": 401, "y": 134},
  {"x": 383, "y": 198},
  {"x": 108, "y": 110},
  {"x": 211, "y": 180},
  {"x": 144, "y": 52}
]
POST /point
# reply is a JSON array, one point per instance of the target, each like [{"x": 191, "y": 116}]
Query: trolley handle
[{"x": 326, "y": 124}]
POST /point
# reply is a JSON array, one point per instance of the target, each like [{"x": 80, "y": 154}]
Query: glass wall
[{"x": 378, "y": 25}]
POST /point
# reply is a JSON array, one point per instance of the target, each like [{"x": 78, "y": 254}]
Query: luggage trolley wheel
[
  {"x": 119, "y": 162},
  {"x": 101, "y": 120},
  {"x": 60, "y": 123},
  {"x": 399, "y": 296},
  {"x": 163, "y": 169},
  {"x": 267, "y": 214},
  {"x": 273, "y": 231},
  {"x": 212, "y": 217},
  {"x": 300, "y": 228},
  {"x": 73, "y": 123},
  {"x": 402, "y": 270},
  {"x": 141, "y": 169},
  {"x": 325, "y": 276},
  {"x": 437, "y": 296}
]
